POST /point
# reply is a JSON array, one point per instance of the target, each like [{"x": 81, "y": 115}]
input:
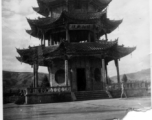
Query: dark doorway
[{"x": 81, "y": 79}]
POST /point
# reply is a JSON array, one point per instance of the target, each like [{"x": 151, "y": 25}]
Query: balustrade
[
  {"x": 130, "y": 85},
  {"x": 61, "y": 89}
]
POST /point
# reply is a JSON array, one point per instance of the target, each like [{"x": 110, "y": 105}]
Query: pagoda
[{"x": 71, "y": 48}]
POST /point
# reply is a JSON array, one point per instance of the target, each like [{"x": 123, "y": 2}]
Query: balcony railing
[{"x": 59, "y": 89}]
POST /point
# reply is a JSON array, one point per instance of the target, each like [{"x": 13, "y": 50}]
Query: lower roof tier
[{"x": 109, "y": 50}]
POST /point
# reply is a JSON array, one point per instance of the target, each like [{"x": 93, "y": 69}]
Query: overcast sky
[{"x": 134, "y": 31}]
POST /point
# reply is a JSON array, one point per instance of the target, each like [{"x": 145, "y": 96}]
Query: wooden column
[
  {"x": 117, "y": 67},
  {"x": 49, "y": 44},
  {"x": 35, "y": 71},
  {"x": 66, "y": 72},
  {"x": 106, "y": 75},
  {"x": 52, "y": 14},
  {"x": 36, "y": 75},
  {"x": 103, "y": 72},
  {"x": 50, "y": 41},
  {"x": 41, "y": 41},
  {"x": 50, "y": 76},
  {"x": 88, "y": 80},
  {"x": 67, "y": 33}
]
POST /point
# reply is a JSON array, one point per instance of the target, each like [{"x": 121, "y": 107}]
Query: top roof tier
[{"x": 45, "y": 6}]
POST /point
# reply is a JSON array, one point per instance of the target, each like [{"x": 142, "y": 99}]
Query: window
[{"x": 60, "y": 76}]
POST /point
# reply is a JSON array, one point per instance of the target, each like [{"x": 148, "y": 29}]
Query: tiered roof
[
  {"x": 110, "y": 50},
  {"x": 42, "y": 25},
  {"x": 46, "y": 5}
]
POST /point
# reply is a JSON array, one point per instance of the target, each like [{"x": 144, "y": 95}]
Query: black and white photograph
[{"x": 76, "y": 60}]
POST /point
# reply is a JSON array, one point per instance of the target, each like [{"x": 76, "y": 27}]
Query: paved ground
[{"x": 104, "y": 109}]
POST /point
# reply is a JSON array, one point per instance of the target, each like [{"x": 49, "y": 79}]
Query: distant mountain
[
  {"x": 143, "y": 75},
  {"x": 18, "y": 80}
]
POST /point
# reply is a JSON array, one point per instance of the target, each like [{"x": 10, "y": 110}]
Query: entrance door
[{"x": 81, "y": 79}]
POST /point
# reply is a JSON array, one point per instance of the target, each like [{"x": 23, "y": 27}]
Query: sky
[{"x": 134, "y": 31}]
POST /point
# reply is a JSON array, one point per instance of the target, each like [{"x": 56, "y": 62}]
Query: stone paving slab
[{"x": 80, "y": 110}]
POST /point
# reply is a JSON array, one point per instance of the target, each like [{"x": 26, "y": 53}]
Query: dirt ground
[{"x": 104, "y": 109}]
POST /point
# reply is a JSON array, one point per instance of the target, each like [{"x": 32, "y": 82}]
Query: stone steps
[{"x": 91, "y": 95}]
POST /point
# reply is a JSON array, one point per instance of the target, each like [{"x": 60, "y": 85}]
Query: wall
[
  {"x": 133, "y": 89},
  {"x": 47, "y": 98},
  {"x": 89, "y": 63}
]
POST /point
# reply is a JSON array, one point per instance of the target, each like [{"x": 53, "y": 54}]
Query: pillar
[
  {"x": 106, "y": 74},
  {"x": 50, "y": 41},
  {"x": 103, "y": 72},
  {"x": 88, "y": 80},
  {"x": 35, "y": 71},
  {"x": 67, "y": 33},
  {"x": 51, "y": 14},
  {"x": 66, "y": 72},
  {"x": 50, "y": 76},
  {"x": 36, "y": 74},
  {"x": 117, "y": 67},
  {"x": 41, "y": 42}
]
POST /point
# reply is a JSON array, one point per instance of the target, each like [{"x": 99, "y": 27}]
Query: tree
[{"x": 124, "y": 78}]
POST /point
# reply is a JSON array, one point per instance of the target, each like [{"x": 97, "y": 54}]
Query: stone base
[{"x": 47, "y": 98}]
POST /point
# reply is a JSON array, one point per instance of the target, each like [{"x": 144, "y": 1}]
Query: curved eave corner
[
  {"x": 19, "y": 51},
  {"x": 124, "y": 51},
  {"x": 36, "y": 9},
  {"x": 29, "y": 32},
  {"x": 29, "y": 21},
  {"x": 113, "y": 24},
  {"x": 19, "y": 59}
]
